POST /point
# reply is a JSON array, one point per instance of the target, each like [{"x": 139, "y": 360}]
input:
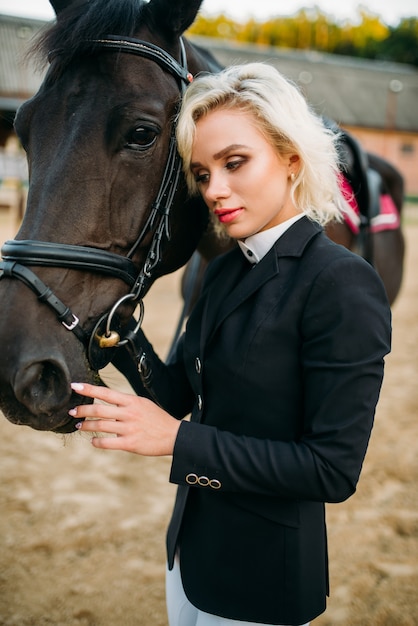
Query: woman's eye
[
  {"x": 233, "y": 165},
  {"x": 141, "y": 138},
  {"x": 201, "y": 178}
]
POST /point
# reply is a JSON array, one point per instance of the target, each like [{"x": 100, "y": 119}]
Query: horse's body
[{"x": 97, "y": 135}]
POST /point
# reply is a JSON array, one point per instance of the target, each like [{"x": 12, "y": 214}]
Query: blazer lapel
[
  {"x": 238, "y": 280},
  {"x": 251, "y": 282},
  {"x": 233, "y": 270}
]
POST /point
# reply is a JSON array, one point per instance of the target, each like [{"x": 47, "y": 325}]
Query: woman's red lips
[{"x": 227, "y": 215}]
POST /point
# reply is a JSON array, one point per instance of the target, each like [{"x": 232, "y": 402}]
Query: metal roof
[
  {"x": 18, "y": 77},
  {"x": 353, "y": 92}
]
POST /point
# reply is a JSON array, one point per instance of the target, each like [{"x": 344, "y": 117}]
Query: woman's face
[{"x": 241, "y": 177}]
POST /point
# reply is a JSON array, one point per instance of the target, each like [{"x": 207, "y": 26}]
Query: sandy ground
[{"x": 82, "y": 531}]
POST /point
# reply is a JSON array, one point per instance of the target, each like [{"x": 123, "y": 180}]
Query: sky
[{"x": 390, "y": 11}]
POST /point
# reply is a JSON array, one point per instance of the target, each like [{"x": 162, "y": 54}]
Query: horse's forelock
[{"x": 74, "y": 29}]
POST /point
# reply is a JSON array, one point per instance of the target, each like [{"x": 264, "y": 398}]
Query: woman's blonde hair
[{"x": 282, "y": 114}]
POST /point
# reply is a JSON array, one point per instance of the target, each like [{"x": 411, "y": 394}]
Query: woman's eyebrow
[
  {"x": 222, "y": 153},
  {"x": 231, "y": 148}
]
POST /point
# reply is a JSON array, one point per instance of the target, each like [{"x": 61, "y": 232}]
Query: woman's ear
[{"x": 294, "y": 164}]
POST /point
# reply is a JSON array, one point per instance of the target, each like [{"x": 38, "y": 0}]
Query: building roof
[
  {"x": 18, "y": 77},
  {"x": 353, "y": 92}
]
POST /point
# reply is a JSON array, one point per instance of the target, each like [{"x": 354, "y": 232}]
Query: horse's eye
[{"x": 141, "y": 138}]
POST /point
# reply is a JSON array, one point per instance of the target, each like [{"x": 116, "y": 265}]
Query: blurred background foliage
[{"x": 367, "y": 37}]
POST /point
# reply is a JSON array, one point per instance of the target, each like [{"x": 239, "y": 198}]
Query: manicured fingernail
[
  {"x": 79, "y": 425},
  {"x": 77, "y": 386},
  {"x": 72, "y": 412}
]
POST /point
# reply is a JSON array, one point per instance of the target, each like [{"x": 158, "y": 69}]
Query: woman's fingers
[
  {"x": 110, "y": 443},
  {"x": 99, "y": 393},
  {"x": 108, "y": 426},
  {"x": 95, "y": 411},
  {"x": 140, "y": 425},
  {"x": 115, "y": 438}
]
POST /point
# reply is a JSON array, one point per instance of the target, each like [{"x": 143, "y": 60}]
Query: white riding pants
[{"x": 182, "y": 613}]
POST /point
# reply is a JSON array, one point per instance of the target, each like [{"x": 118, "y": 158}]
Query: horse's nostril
[{"x": 43, "y": 387}]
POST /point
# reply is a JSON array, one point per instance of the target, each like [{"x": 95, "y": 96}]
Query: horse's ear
[
  {"x": 61, "y": 5},
  {"x": 173, "y": 17}
]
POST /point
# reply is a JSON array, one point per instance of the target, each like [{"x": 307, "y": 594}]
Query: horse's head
[{"x": 102, "y": 182}]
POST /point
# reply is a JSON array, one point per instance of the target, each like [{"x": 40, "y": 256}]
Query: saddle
[{"x": 371, "y": 208}]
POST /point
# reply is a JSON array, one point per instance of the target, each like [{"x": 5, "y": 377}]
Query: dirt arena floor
[{"x": 82, "y": 531}]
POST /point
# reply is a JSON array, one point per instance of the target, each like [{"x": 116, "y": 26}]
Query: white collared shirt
[{"x": 255, "y": 247}]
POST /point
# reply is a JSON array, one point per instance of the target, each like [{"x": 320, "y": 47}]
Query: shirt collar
[{"x": 255, "y": 247}]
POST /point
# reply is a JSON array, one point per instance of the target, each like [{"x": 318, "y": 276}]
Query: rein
[{"x": 18, "y": 254}]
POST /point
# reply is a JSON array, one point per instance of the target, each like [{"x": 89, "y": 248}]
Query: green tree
[
  {"x": 401, "y": 45},
  {"x": 310, "y": 29}
]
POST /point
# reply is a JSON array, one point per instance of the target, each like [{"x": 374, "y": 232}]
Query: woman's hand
[{"x": 140, "y": 425}]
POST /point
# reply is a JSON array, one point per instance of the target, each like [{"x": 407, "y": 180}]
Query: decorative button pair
[{"x": 203, "y": 481}]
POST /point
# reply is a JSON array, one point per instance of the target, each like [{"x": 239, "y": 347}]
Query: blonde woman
[{"x": 280, "y": 365}]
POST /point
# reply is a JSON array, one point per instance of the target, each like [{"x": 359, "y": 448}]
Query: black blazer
[{"x": 281, "y": 368}]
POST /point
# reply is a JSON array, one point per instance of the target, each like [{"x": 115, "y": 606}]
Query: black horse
[{"x": 107, "y": 210}]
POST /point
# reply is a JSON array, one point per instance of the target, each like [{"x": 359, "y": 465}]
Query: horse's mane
[{"x": 77, "y": 26}]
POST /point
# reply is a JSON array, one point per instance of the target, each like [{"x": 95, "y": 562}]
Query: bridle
[{"x": 18, "y": 254}]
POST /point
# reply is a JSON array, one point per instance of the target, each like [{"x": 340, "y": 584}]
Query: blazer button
[
  {"x": 198, "y": 365},
  {"x": 199, "y": 402}
]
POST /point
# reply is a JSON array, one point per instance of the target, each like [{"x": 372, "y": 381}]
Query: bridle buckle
[{"x": 73, "y": 324}]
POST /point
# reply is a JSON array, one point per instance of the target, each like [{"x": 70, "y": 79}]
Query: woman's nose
[{"x": 217, "y": 188}]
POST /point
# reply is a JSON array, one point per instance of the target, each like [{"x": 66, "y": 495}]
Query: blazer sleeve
[{"x": 345, "y": 331}]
